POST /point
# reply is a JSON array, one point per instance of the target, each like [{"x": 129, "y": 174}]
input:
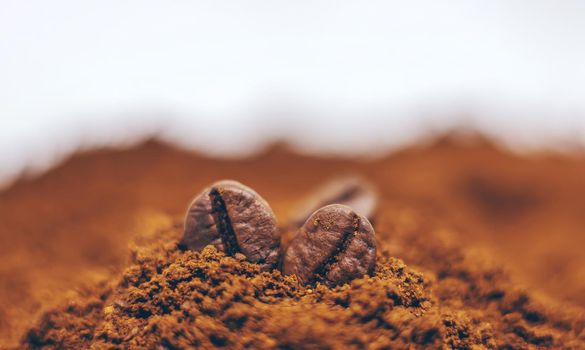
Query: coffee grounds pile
[
  {"x": 174, "y": 299},
  {"x": 433, "y": 287}
]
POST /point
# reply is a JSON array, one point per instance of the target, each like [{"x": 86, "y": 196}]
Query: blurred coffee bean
[
  {"x": 235, "y": 219},
  {"x": 353, "y": 191},
  {"x": 334, "y": 246}
]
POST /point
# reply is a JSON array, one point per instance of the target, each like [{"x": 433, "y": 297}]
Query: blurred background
[{"x": 228, "y": 77}]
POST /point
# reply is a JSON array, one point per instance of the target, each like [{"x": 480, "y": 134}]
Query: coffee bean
[
  {"x": 334, "y": 246},
  {"x": 353, "y": 191},
  {"x": 236, "y": 220}
]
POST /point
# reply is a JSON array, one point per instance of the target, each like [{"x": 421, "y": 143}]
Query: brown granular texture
[
  {"x": 173, "y": 299},
  {"x": 477, "y": 248}
]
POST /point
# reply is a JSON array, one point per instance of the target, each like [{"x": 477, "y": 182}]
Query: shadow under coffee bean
[
  {"x": 334, "y": 246},
  {"x": 235, "y": 219}
]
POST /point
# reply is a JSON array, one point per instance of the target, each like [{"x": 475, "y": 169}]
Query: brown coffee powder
[
  {"x": 171, "y": 299},
  {"x": 65, "y": 233}
]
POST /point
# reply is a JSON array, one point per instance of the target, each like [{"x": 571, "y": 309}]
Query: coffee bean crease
[
  {"x": 323, "y": 270},
  {"x": 223, "y": 223},
  {"x": 235, "y": 219},
  {"x": 334, "y": 246}
]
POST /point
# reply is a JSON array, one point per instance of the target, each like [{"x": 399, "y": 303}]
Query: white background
[{"x": 226, "y": 77}]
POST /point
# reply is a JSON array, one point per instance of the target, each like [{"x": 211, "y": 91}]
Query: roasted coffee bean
[
  {"x": 353, "y": 191},
  {"x": 235, "y": 219},
  {"x": 334, "y": 246}
]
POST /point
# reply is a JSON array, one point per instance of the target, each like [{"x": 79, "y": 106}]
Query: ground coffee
[
  {"x": 171, "y": 299},
  {"x": 454, "y": 218}
]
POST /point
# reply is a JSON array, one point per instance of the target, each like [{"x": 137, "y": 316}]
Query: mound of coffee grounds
[
  {"x": 492, "y": 242},
  {"x": 168, "y": 298}
]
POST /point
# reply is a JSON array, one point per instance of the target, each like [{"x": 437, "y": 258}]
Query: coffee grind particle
[
  {"x": 334, "y": 246},
  {"x": 235, "y": 219}
]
